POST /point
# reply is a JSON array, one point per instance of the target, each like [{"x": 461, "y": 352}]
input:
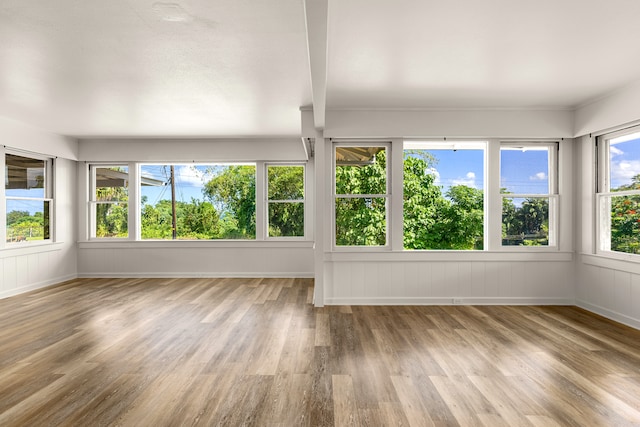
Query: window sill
[
  {"x": 450, "y": 256},
  {"x": 20, "y": 249},
  {"x": 623, "y": 262},
  {"x": 199, "y": 244}
]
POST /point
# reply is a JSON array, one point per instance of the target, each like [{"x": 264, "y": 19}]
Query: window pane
[
  {"x": 361, "y": 221},
  {"x": 211, "y": 201},
  {"x": 286, "y": 219},
  {"x": 112, "y": 184},
  {"x": 285, "y": 182},
  {"x": 624, "y": 163},
  {"x": 525, "y": 222},
  {"x": 361, "y": 170},
  {"x": 27, "y": 220},
  {"x": 524, "y": 170},
  {"x": 112, "y": 220},
  {"x": 24, "y": 177},
  {"x": 623, "y": 213},
  {"x": 443, "y": 199}
]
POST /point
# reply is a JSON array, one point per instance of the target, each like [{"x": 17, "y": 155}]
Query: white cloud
[
  {"x": 191, "y": 176},
  {"x": 433, "y": 171},
  {"x": 540, "y": 176},
  {"x": 624, "y": 170},
  {"x": 615, "y": 151},
  {"x": 469, "y": 181}
]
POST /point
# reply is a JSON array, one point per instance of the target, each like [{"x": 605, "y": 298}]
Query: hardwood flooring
[{"x": 230, "y": 352}]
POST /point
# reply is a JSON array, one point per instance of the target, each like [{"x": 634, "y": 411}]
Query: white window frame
[
  {"x": 267, "y": 201},
  {"x": 49, "y": 196},
  {"x": 552, "y": 192},
  {"x": 387, "y": 196},
  {"x": 92, "y": 202},
  {"x": 604, "y": 193}
]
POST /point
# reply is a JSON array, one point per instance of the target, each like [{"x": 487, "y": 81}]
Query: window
[
  {"x": 198, "y": 201},
  {"x": 285, "y": 200},
  {"x": 443, "y": 185},
  {"x": 361, "y": 194},
  {"x": 528, "y": 192},
  {"x": 109, "y": 201},
  {"x": 29, "y": 198},
  {"x": 619, "y": 191}
]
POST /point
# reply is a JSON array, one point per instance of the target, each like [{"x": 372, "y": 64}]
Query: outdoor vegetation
[{"x": 625, "y": 219}]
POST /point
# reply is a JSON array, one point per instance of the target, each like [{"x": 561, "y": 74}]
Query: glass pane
[
  {"x": 286, "y": 219},
  {"x": 361, "y": 170},
  {"x": 524, "y": 170},
  {"x": 24, "y": 177},
  {"x": 207, "y": 201},
  {"x": 525, "y": 222},
  {"x": 27, "y": 220},
  {"x": 624, "y": 163},
  {"x": 112, "y": 220},
  {"x": 361, "y": 222},
  {"x": 443, "y": 199},
  {"x": 624, "y": 224},
  {"x": 285, "y": 182},
  {"x": 112, "y": 184}
]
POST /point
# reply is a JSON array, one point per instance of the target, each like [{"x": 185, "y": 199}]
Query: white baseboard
[
  {"x": 210, "y": 275},
  {"x": 610, "y": 314},
  {"x": 35, "y": 286},
  {"x": 447, "y": 301}
]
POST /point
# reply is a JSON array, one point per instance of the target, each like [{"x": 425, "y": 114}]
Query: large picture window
[
  {"x": 443, "y": 185},
  {"x": 29, "y": 198},
  {"x": 198, "y": 201},
  {"x": 529, "y": 195},
  {"x": 285, "y": 200},
  {"x": 361, "y": 194},
  {"x": 619, "y": 192}
]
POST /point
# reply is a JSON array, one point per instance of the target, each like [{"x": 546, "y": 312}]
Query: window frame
[
  {"x": 603, "y": 192},
  {"x": 92, "y": 203},
  {"x": 368, "y": 143},
  {"x": 48, "y": 196},
  {"x": 552, "y": 193},
  {"x": 267, "y": 201}
]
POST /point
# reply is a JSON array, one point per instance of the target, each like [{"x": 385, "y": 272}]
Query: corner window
[
  {"x": 198, "y": 201},
  {"x": 528, "y": 190},
  {"x": 29, "y": 198},
  {"x": 619, "y": 191},
  {"x": 443, "y": 185},
  {"x": 109, "y": 202},
  {"x": 361, "y": 194},
  {"x": 285, "y": 200}
]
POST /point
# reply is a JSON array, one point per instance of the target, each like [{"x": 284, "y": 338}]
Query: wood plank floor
[{"x": 181, "y": 352}]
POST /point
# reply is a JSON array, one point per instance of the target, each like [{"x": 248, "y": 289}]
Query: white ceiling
[{"x": 241, "y": 67}]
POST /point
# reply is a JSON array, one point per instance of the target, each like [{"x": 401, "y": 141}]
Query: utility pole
[{"x": 174, "y": 221}]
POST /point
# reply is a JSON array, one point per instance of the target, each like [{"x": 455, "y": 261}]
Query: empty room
[{"x": 320, "y": 213}]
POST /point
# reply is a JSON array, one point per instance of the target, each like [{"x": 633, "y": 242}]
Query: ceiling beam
[{"x": 316, "y": 12}]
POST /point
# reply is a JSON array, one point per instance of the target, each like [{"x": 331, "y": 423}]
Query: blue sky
[
  {"x": 523, "y": 172},
  {"x": 624, "y": 155}
]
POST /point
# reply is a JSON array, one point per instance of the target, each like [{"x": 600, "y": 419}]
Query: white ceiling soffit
[
  {"x": 173, "y": 68},
  {"x": 244, "y": 67}
]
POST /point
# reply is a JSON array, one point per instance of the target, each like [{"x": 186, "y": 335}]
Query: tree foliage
[{"x": 625, "y": 219}]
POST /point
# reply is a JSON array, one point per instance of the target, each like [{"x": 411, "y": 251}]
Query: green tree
[
  {"x": 625, "y": 219},
  {"x": 233, "y": 192}
]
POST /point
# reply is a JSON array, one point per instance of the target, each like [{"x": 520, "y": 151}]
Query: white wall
[
  {"x": 31, "y": 267},
  {"x": 451, "y": 123}
]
